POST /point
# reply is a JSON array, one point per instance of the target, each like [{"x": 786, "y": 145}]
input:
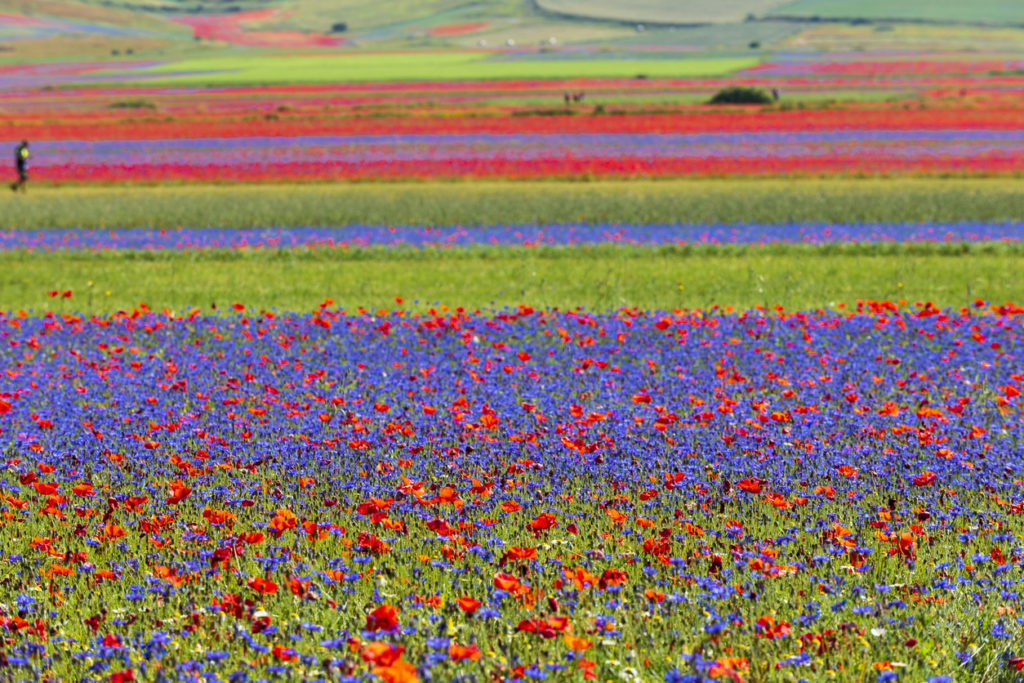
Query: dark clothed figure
[{"x": 21, "y": 165}]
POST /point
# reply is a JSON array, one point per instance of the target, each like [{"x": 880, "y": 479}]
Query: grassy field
[
  {"x": 147, "y": 29},
  {"x": 102, "y": 13},
  {"x": 427, "y": 66},
  {"x": 734, "y": 36},
  {"x": 484, "y": 203},
  {"x": 601, "y": 278},
  {"x": 662, "y": 11},
  {"x": 996, "y": 12},
  {"x": 926, "y": 38}
]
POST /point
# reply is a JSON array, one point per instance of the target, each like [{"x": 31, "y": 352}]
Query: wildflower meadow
[{"x": 505, "y": 342}]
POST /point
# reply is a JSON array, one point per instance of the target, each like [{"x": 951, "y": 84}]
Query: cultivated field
[
  {"x": 469, "y": 343},
  {"x": 995, "y": 12},
  {"x": 664, "y": 11}
]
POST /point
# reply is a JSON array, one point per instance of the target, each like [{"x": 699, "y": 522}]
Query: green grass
[
  {"x": 797, "y": 278},
  {"x": 244, "y": 69},
  {"x": 718, "y": 36},
  {"x": 682, "y": 201},
  {"x": 662, "y": 11},
  {"x": 998, "y": 12}
]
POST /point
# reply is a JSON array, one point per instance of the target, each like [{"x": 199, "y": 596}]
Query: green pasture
[
  {"x": 718, "y": 27},
  {"x": 996, "y": 12},
  {"x": 834, "y": 200},
  {"x": 243, "y": 69},
  {"x": 604, "y": 277},
  {"x": 716, "y": 36},
  {"x": 662, "y": 11},
  {"x": 924, "y": 38}
]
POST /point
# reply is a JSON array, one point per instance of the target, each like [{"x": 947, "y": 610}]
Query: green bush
[
  {"x": 742, "y": 94},
  {"x": 132, "y": 104}
]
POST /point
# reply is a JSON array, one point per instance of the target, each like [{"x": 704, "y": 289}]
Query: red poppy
[
  {"x": 179, "y": 492},
  {"x": 284, "y": 654},
  {"x": 577, "y": 644},
  {"x": 399, "y": 672},
  {"x": 468, "y": 604},
  {"x": 749, "y": 485},
  {"x": 459, "y": 652},
  {"x": 384, "y": 618},
  {"x": 768, "y": 628},
  {"x": 517, "y": 553},
  {"x": 381, "y": 654},
  {"x": 926, "y": 478},
  {"x": 543, "y": 521},
  {"x": 262, "y": 585},
  {"x": 612, "y": 577},
  {"x": 505, "y": 582}
]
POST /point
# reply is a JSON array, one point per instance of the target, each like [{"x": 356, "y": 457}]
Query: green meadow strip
[
  {"x": 248, "y": 69},
  {"x": 602, "y": 278},
  {"x": 482, "y": 203}
]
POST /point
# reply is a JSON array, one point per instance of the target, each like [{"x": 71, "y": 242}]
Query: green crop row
[
  {"x": 482, "y": 203},
  {"x": 428, "y": 66},
  {"x": 798, "y": 278}
]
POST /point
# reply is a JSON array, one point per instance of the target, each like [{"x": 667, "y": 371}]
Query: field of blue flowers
[
  {"x": 512, "y": 495},
  {"x": 521, "y": 235}
]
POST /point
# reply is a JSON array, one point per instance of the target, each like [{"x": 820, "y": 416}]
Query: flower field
[
  {"x": 523, "y": 156},
  {"x": 444, "y": 237},
  {"x": 310, "y": 373},
  {"x": 924, "y": 117},
  {"x": 517, "y": 494}
]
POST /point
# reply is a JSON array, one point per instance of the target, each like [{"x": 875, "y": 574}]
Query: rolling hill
[
  {"x": 663, "y": 11},
  {"x": 79, "y": 29}
]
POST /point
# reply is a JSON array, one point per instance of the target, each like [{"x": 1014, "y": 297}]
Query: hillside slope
[
  {"x": 160, "y": 29},
  {"x": 663, "y": 11}
]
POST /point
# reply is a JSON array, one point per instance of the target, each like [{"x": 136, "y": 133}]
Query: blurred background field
[
  {"x": 501, "y": 30},
  {"x": 303, "y": 113},
  {"x": 511, "y": 203},
  {"x": 240, "y": 218}
]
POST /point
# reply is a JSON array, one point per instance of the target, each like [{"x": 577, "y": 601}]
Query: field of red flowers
[
  {"x": 963, "y": 121},
  {"x": 515, "y": 495}
]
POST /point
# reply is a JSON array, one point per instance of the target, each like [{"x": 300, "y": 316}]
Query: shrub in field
[
  {"x": 133, "y": 104},
  {"x": 742, "y": 94}
]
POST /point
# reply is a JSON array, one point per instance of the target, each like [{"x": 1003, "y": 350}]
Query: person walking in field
[{"x": 21, "y": 164}]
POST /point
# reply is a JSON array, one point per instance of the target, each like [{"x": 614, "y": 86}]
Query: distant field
[
  {"x": 719, "y": 36},
  {"x": 997, "y": 12},
  {"x": 662, "y": 11},
  {"x": 93, "y": 15},
  {"x": 882, "y": 37},
  {"x": 422, "y": 66},
  {"x": 489, "y": 203},
  {"x": 164, "y": 29}
]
